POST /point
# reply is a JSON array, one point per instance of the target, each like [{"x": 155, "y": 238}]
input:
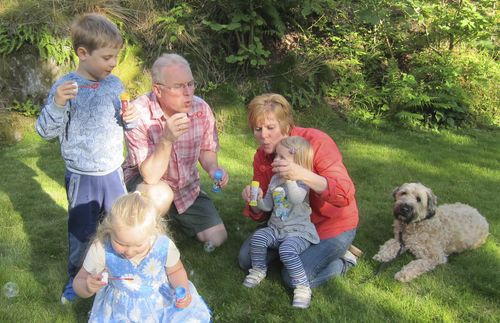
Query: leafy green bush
[
  {"x": 428, "y": 97},
  {"x": 26, "y": 108},
  {"x": 408, "y": 61},
  {"x": 460, "y": 86},
  {"x": 301, "y": 81},
  {"x": 246, "y": 27},
  {"x": 13, "y": 37},
  {"x": 351, "y": 94},
  {"x": 479, "y": 76}
]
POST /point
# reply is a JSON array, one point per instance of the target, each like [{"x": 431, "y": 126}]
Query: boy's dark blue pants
[{"x": 89, "y": 198}]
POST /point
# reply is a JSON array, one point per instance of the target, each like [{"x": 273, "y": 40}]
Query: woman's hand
[{"x": 288, "y": 170}]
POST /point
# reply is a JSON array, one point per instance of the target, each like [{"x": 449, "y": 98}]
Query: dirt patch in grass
[{"x": 12, "y": 127}]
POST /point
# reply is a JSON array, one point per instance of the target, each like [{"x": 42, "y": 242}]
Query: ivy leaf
[
  {"x": 370, "y": 17},
  {"x": 233, "y": 26},
  {"x": 213, "y": 25}
]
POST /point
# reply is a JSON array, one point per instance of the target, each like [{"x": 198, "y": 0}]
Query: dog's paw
[
  {"x": 381, "y": 257},
  {"x": 377, "y": 257},
  {"x": 403, "y": 277}
]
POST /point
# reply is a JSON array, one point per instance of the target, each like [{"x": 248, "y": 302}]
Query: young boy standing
[{"x": 83, "y": 109}]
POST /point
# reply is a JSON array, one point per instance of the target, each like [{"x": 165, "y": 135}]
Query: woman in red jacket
[{"x": 334, "y": 209}]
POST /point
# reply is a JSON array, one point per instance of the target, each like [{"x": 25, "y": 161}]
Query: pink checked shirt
[{"x": 182, "y": 174}]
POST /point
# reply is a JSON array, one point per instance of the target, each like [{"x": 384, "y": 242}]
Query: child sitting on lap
[
  {"x": 142, "y": 267},
  {"x": 289, "y": 229}
]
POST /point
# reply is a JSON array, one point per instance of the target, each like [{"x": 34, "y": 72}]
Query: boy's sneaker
[
  {"x": 254, "y": 277},
  {"x": 302, "y": 296},
  {"x": 69, "y": 294}
]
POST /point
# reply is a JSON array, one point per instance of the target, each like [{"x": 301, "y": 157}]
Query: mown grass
[{"x": 458, "y": 166}]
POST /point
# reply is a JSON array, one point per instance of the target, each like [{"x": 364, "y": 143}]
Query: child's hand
[
  {"x": 183, "y": 303},
  {"x": 130, "y": 114},
  {"x": 247, "y": 194},
  {"x": 95, "y": 283},
  {"x": 65, "y": 92}
]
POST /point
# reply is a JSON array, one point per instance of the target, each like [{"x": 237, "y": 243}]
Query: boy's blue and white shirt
[{"x": 89, "y": 127}]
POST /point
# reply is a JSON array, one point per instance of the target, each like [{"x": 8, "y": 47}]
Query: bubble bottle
[
  {"x": 124, "y": 102},
  {"x": 76, "y": 87},
  {"x": 105, "y": 277},
  {"x": 180, "y": 294},
  {"x": 216, "y": 188},
  {"x": 255, "y": 193}
]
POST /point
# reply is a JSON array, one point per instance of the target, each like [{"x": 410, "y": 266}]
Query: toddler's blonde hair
[
  {"x": 132, "y": 210},
  {"x": 302, "y": 151},
  {"x": 93, "y": 31}
]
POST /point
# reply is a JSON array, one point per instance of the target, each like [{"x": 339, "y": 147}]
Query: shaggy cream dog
[{"x": 429, "y": 233}]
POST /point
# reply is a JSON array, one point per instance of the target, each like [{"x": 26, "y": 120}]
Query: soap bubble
[
  {"x": 10, "y": 290},
  {"x": 191, "y": 272},
  {"x": 209, "y": 247}
]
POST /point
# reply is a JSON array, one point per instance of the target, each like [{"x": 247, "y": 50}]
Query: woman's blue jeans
[{"x": 321, "y": 261}]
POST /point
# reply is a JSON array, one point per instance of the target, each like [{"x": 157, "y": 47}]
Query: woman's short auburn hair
[{"x": 263, "y": 105}]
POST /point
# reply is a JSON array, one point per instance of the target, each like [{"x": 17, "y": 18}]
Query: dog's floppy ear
[
  {"x": 431, "y": 204},
  {"x": 395, "y": 191}
]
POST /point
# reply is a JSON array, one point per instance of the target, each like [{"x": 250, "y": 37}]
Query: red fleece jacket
[{"x": 334, "y": 211}]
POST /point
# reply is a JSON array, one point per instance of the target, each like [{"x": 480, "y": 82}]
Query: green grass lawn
[{"x": 461, "y": 167}]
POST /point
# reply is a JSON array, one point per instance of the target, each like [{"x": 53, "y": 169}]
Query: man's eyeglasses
[{"x": 179, "y": 87}]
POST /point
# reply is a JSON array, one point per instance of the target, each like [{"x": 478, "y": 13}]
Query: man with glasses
[{"x": 175, "y": 132}]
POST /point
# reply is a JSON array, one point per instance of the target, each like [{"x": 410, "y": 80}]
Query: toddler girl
[
  {"x": 289, "y": 229},
  {"x": 134, "y": 268}
]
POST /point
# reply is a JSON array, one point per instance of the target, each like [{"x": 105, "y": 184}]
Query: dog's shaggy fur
[{"x": 429, "y": 233}]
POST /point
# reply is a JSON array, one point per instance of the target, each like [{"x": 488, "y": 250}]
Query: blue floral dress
[{"x": 146, "y": 296}]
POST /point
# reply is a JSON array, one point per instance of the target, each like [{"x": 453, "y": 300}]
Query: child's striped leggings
[{"x": 289, "y": 250}]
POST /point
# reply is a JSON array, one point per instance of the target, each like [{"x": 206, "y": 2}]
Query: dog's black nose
[{"x": 405, "y": 209}]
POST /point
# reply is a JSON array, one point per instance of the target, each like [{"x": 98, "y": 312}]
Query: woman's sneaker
[
  {"x": 352, "y": 254},
  {"x": 302, "y": 296},
  {"x": 69, "y": 294},
  {"x": 355, "y": 251},
  {"x": 254, "y": 277}
]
